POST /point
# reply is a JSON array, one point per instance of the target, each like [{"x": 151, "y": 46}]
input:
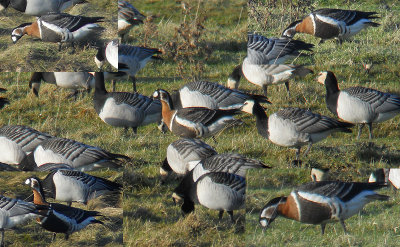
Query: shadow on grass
[
  {"x": 228, "y": 45},
  {"x": 369, "y": 152},
  {"x": 142, "y": 214},
  {"x": 6, "y": 32}
]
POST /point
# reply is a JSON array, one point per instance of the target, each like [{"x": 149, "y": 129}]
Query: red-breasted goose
[
  {"x": 74, "y": 186},
  {"x": 194, "y": 122},
  {"x": 295, "y": 127},
  {"x": 79, "y": 156},
  {"x": 68, "y": 80},
  {"x": 39, "y": 7},
  {"x": 216, "y": 190},
  {"x": 263, "y": 63},
  {"x": 128, "y": 17},
  {"x": 321, "y": 202},
  {"x": 122, "y": 109},
  {"x": 15, "y": 212},
  {"x": 184, "y": 154},
  {"x": 61, "y": 218},
  {"x": 60, "y": 28},
  {"x": 386, "y": 176},
  {"x": 359, "y": 105},
  {"x": 211, "y": 95},
  {"x": 17, "y": 141},
  {"x": 332, "y": 23}
]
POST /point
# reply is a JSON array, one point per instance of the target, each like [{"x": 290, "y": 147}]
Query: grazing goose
[
  {"x": 386, "y": 175},
  {"x": 263, "y": 63},
  {"x": 121, "y": 109},
  {"x": 128, "y": 17},
  {"x": 211, "y": 95},
  {"x": 17, "y": 141},
  {"x": 194, "y": 122},
  {"x": 131, "y": 59},
  {"x": 74, "y": 186},
  {"x": 359, "y": 105},
  {"x": 69, "y": 80},
  {"x": 61, "y": 218},
  {"x": 79, "y": 156},
  {"x": 216, "y": 190},
  {"x": 322, "y": 202},
  {"x": 295, "y": 127},
  {"x": 15, "y": 212},
  {"x": 39, "y": 7},
  {"x": 332, "y": 23},
  {"x": 184, "y": 154},
  {"x": 60, "y": 28}
]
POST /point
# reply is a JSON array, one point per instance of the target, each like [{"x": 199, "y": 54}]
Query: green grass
[{"x": 32, "y": 54}]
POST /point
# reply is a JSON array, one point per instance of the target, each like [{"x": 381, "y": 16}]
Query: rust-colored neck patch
[
  {"x": 306, "y": 26},
  {"x": 167, "y": 113},
  {"x": 289, "y": 209},
  {"x": 32, "y": 30},
  {"x": 38, "y": 198}
]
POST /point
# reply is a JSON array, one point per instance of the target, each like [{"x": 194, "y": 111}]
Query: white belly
[
  {"x": 354, "y": 110},
  {"x": 283, "y": 132},
  {"x": 11, "y": 153},
  {"x": 48, "y": 156},
  {"x": 72, "y": 80},
  {"x": 121, "y": 115}
]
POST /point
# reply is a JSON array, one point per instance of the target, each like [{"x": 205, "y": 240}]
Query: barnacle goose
[
  {"x": 295, "y": 127},
  {"x": 17, "y": 141},
  {"x": 122, "y": 109},
  {"x": 332, "y": 23},
  {"x": 386, "y": 176},
  {"x": 14, "y": 212},
  {"x": 128, "y": 17},
  {"x": 184, "y": 154},
  {"x": 322, "y": 202},
  {"x": 79, "y": 156},
  {"x": 216, "y": 190},
  {"x": 61, "y": 218},
  {"x": 359, "y": 105},
  {"x": 194, "y": 122}
]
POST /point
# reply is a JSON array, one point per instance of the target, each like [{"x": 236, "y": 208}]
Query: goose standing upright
[
  {"x": 61, "y": 218},
  {"x": 122, "y": 109},
  {"x": 15, "y": 212},
  {"x": 359, "y": 105},
  {"x": 263, "y": 63},
  {"x": 194, "y": 122},
  {"x": 295, "y": 127},
  {"x": 332, "y": 23}
]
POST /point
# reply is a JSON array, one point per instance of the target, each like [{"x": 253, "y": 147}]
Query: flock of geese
[{"x": 198, "y": 110}]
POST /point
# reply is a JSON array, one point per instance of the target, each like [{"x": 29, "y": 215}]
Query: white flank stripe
[{"x": 328, "y": 20}]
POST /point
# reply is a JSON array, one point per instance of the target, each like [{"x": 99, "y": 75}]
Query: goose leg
[
  {"x": 73, "y": 48},
  {"x": 66, "y": 236},
  {"x": 359, "y": 131},
  {"x": 113, "y": 85},
  {"x": 308, "y": 149},
  {"x": 221, "y": 212},
  {"x": 231, "y": 214},
  {"x": 323, "y": 228},
  {"x": 215, "y": 140},
  {"x": 343, "y": 225},
  {"x": 2, "y": 238},
  {"x": 59, "y": 46},
  {"x": 298, "y": 153},
  {"x": 54, "y": 237},
  {"x": 133, "y": 80},
  {"x": 69, "y": 204},
  {"x": 321, "y": 41},
  {"x": 265, "y": 88},
  {"x": 134, "y": 129},
  {"x": 287, "y": 88},
  {"x": 370, "y": 131}
]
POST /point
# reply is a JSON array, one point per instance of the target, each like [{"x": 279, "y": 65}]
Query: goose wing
[
  {"x": 15, "y": 207},
  {"x": 381, "y": 102},
  {"x": 93, "y": 182},
  {"x": 203, "y": 115},
  {"x": 67, "y": 21},
  {"x": 347, "y": 16}
]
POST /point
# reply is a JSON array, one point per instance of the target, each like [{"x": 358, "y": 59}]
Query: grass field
[
  {"x": 31, "y": 54},
  {"x": 217, "y": 33}
]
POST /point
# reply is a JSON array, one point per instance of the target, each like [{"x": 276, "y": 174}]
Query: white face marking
[
  {"x": 264, "y": 222},
  {"x": 248, "y": 106},
  {"x": 322, "y": 77}
]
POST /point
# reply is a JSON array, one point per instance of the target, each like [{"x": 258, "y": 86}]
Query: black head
[
  {"x": 270, "y": 211},
  {"x": 290, "y": 31}
]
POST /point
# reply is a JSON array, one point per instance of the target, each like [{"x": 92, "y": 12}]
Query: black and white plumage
[
  {"x": 263, "y": 63},
  {"x": 211, "y": 95},
  {"x": 194, "y": 122},
  {"x": 68, "y": 80},
  {"x": 131, "y": 59},
  {"x": 332, "y": 23},
  {"x": 122, "y": 109},
  {"x": 295, "y": 127},
  {"x": 17, "y": 141},
  {"x": 109, "y": 53},
  {"x": 74, "y": 186},
  {"x": 322, "y": 202},
  {"x": 216, "y": 190},
  {"x": 60, "y": 28},
  {"x": 128, "y": 17},
  {"x": 184, "y": 154},
  {"x": 15, "y": 212},
  {"x": 39, "y": 7},
  {"x": 79, "y": 156},
  {"x": 386, "y": 176},
  {"x": 61, "y": 218},
  {"x": 48, "y": 167},
  {"x": 359, "y": 105}
]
